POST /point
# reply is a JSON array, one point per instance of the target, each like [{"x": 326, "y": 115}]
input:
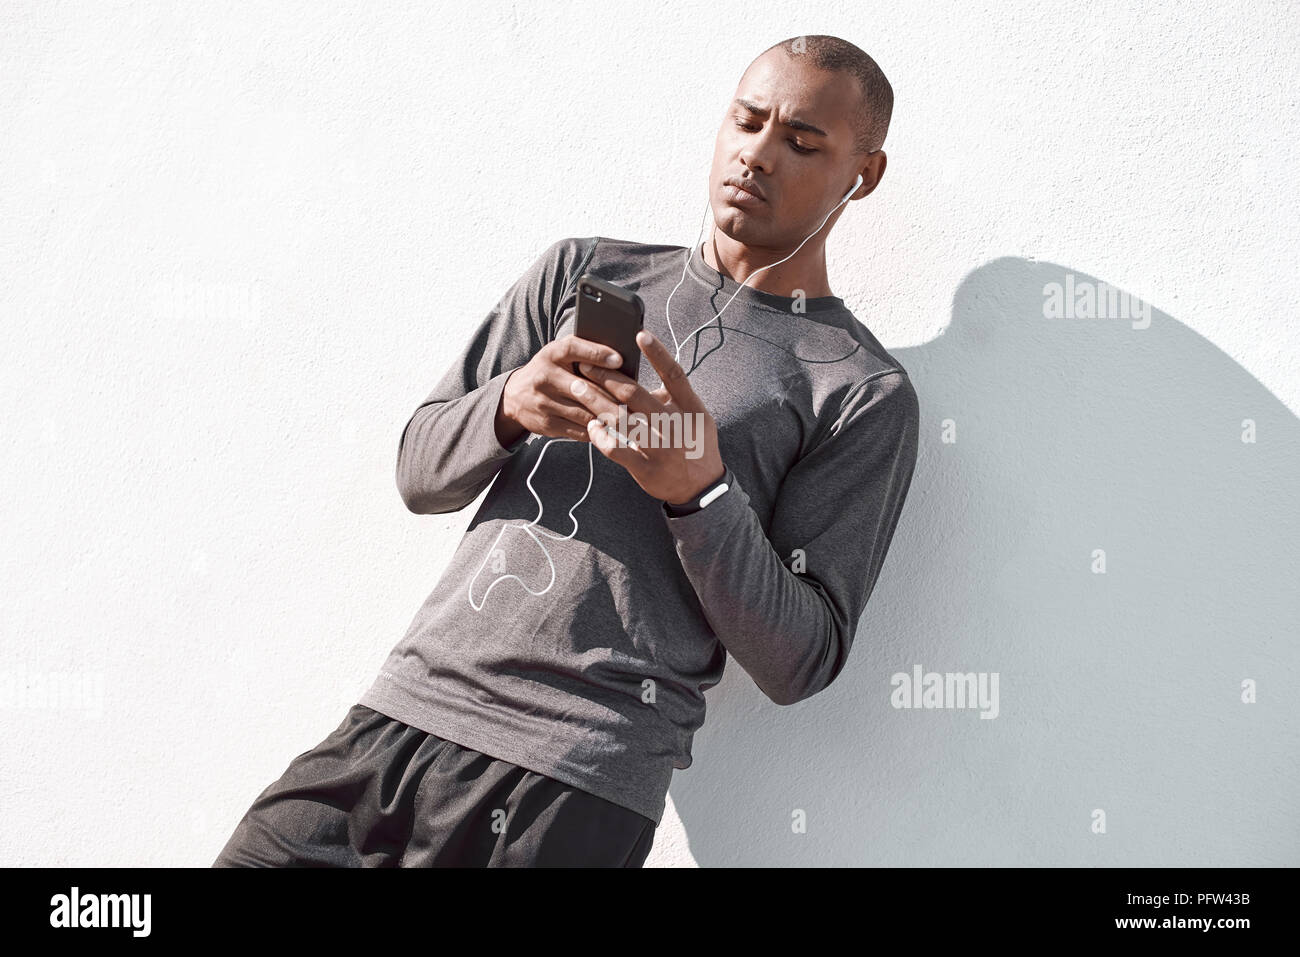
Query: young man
[{"x": 536, "y": 708}]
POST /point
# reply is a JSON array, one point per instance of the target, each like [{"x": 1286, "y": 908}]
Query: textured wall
[{"x": 238, "y": 246}]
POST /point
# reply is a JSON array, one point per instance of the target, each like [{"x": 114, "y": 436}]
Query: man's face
[{"x": 801, "y": 173}]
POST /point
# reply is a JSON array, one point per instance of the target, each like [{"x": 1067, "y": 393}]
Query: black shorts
[{"x": 379, "y": 793}]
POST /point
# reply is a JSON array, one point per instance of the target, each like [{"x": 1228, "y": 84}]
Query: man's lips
[{"x": 741, "y": 195}]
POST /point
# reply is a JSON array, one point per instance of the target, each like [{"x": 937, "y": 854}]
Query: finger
[
  {"x": 606, "y": 377},
  {"x": 589, "y": 395},
  {"x": 554, "y": 428},
  {"x": 560, "y": 385},
  {"x": 672, "y": 374},
  {"x": 571, "y": 431},
  {"x": 565, "y": 411},
  {"x": 622, "y": 388},
  {"x": 609, "y": 444},
  {"x": 642, "y": 406},
  {"x": 571, "y": 348}
]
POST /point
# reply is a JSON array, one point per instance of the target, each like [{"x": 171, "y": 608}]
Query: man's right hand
[{"x": 538, "y": 397}]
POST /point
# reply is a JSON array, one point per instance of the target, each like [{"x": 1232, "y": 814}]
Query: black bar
[{"x": 927, "y": 905}]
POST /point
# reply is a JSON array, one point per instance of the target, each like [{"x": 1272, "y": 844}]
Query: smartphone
[{"x": 611, "y": 315}]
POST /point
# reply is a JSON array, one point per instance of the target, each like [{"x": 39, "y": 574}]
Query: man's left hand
[{"x": 665, "y": 473}]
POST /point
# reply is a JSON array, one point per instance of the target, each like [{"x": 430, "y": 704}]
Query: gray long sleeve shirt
[{"x": 591, "y": 667}]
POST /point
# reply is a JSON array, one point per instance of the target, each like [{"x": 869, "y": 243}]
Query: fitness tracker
[{"x": 704, "y": 498}]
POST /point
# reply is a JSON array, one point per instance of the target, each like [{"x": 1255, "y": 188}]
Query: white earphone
[
  {"x": 678, "y": 349},
  {"x": 591, "y": 469}
]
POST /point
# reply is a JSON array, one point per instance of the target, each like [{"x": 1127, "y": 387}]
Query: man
[{"x": 535, "y": 710}]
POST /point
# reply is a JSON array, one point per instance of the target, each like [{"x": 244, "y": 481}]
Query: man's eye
[{"x": 796, "y": 146}]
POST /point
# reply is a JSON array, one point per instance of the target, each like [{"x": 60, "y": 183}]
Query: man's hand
[
  {"x": 539, "y": 396},
  {"x": 663, "y": 473}
]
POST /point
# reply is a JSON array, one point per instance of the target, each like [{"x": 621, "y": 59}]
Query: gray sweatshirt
[{"x": 588, "y": 659}]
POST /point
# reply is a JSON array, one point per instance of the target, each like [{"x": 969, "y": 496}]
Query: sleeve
[
  {"x": 786, "y": 606},
  {"x": 449, "y": 451}
]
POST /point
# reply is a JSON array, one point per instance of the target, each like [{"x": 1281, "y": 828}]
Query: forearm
[
  {"x": 451, "y": 449},
  {"x": 780, "y": 627},
  {"x": 459, "y": 437}
]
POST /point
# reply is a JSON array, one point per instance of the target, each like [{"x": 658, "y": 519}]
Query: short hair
[{"x": 876, "y": 103}]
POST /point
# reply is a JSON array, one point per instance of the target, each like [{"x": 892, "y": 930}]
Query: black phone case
[{"x": 611, "y": 315}]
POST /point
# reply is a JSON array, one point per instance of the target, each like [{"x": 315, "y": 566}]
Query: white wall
[{"x": 238, "y": 246}]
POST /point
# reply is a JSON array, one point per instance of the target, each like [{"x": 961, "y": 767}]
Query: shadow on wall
[{"x": 1118, "y": 692}]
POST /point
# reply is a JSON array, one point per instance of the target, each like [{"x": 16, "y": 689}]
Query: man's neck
[{"x": 804, "y": 272}]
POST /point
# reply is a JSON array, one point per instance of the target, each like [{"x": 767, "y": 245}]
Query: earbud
[{"x": 854, "y": 188}]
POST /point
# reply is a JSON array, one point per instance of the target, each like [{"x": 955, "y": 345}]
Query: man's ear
[{"x": 873, "y": 173}]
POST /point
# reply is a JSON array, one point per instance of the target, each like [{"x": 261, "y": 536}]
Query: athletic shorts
[{"x": 380, "y": 793}]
